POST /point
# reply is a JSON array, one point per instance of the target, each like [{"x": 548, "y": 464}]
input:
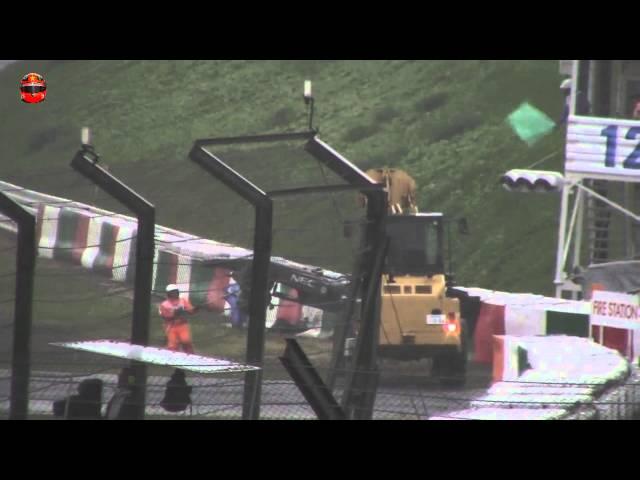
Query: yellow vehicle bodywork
[
  {"x": 417, "y": 319},
  {"x": 407, "y": 302}
]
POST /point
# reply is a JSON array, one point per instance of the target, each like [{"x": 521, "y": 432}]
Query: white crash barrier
[
  {"x": 611, "y": 319},
  {"x": 568, "y": 378},
  {"x": 492, "y": 413}
]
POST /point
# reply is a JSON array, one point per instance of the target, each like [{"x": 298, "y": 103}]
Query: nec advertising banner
[
  {"x": 619, "y": 310},
  {"x": 603, "y": 146}
]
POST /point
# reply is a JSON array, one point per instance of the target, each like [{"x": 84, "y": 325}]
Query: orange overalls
[{"x": 175, "y": 325}]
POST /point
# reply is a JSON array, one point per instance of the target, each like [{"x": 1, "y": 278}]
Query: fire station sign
[
  {"x": 619, "y": 310},
  {"x": 603, "y": 146}
]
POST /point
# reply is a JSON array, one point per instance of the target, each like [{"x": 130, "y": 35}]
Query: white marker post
[
  {"x": 86, "y": 136},
  {"x": 308, "y": 95},
  {"x": 308, "y": 100}
]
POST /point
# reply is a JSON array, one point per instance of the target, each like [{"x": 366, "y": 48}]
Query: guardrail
[
  {"x": 559, "y": 377},
  {"x": 101, "y": 240}
]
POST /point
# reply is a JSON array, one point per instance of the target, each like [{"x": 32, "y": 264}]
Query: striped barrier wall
[
  {"x": 624, "y": 340},
  {"x": 165, "y": 271},
  {"x": 62, "y": 233},
  {"x": 107, "y": 246},
  {"x": 510, "y": 358},
  {"x": 72, "y": 236},
  {"x": 103, "y": 241},
  {"x": 87, "y": 239},
  {"x": 503, "y": 313},
  {"x": 206, "y": 285},
  {"x": 200, "y": 283},
  {"x": 46, "y": 229},
  {"x": 564, "y": 376},
  {"x": 527, "y": 314},
  {"x": 124, "y": 251},
  {"x": 98, "y": 254}
]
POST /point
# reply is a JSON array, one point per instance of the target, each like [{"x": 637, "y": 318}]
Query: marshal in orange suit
[{"x": 174, "y": 311}]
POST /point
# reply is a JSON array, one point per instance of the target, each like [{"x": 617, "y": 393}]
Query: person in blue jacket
[{"x": 238, "y": 317}]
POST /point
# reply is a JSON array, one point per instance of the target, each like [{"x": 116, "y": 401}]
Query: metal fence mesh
[
  {"x": 87, "y": 295},
  {"x": 73, "y": 302}
]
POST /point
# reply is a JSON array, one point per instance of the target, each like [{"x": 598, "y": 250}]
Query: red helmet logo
[{"x": 33, "y": 88}]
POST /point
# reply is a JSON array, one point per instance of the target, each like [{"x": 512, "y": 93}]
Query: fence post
[
  {"x": 365, "y": 371},
  {"x": 362, "y": 381},
  {"x": 259, "y": 294},
  {"x": 85, "y": 162},
  {"x": 25, "y": 267}
]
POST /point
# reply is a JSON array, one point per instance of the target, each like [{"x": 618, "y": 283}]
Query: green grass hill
[{"x": 442, "y": 120}]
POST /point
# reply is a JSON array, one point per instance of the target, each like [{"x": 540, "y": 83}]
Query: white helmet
[
  {"x": 566, "y": 84},
  {"x": 172, "y": 288}
]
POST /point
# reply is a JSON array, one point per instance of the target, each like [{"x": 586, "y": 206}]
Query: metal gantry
[
  {"x": 356, "y": 180},
  {"x": 86, "y": 162}
]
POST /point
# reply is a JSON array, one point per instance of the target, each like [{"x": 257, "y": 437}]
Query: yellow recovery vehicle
[{"x": 418, "y": 319}]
